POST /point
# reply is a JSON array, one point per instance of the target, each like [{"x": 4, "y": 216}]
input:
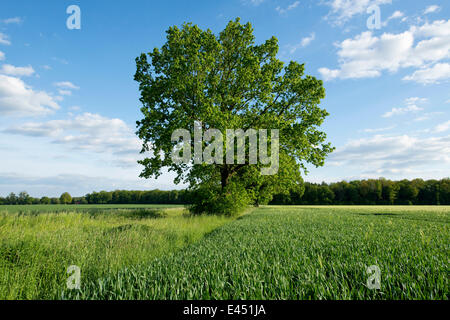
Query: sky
[{"x": 69, "y": 104}]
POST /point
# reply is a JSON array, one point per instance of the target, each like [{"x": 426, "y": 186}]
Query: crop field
[{"x": 273, "y": 252}]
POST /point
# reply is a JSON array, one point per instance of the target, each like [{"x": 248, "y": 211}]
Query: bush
[{"x": 213, "y": 200}]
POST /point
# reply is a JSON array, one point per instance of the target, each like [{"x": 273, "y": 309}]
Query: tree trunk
[{"x": 224, "y": 176}]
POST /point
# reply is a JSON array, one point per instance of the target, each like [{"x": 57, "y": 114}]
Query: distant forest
[{"x": 358, "y": 192}]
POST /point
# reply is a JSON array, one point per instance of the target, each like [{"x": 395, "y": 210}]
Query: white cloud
[
  {"x": 378, "y": 129},
  {"x": 60, "y": 60},
  {"x": 427, "y": 115},
  {"x": 367, "y": 55},
  {"x": 411, "y": 106},
  {"x": 307, "y": 40},
  {"x": 431, "y": 9},
  {"x": 4, "y": 39},
  {"x": 66, "y": 85},
  {"x": 253, "y": 2},
  {"x": 17, "y": 98},
  {"x": 443, "y": 127},
  {"x": 65, "y": 92},
  {"x": 396, "y": 15},
  {"x": 399, "y": 111},
  {"x": 16, "y": 71},
  {"x": 75, "y": 108},
  {"x": 89, "y": 132},
  {"x": 289, "y": 8},
  {"x": 303, "y": 43},
  {"x": 393, "y": 154},
  {"x": 344, "y": 10},
  {"x": 435, "y": 74},
  {"x": 15, "y": 20},
  {"x": 2, "y": 56}
]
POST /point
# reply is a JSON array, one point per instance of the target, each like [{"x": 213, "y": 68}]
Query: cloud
[
  {"x": 435, "y": 74},
  {"x": 393, "y": 154},
  {"x": 253, "y": 2},
  {"x": 303, "y": 43},
  {"x": 16, "y": 71},
  {"x": 66, "y": 85},
  {"x": 60, "y": 60},
  {"x": 399, "y": 111},
  {"x": 378, "y": 129},
  {"x": 411, "y": 106},
  {"x": 18, "y": 98},
  {"x": 289, "y": 8},
  {"x": 443, "y": 127},
  {"x": 344, "y": 10},
  {"x": 432, "y": 9},
  {"x": 427, "y": 116},
  {"x": 85, "y": 132},
  {"x": 307, "y": 40},
  {"x": 2, "y": 56},
  {"x": 15, "y": 20},
  {"x": 367, "y": 56},
  {"x": 396, "y": 15},
  {"x": 65, "y": 92},
  {"x": 4, "y": 39}
]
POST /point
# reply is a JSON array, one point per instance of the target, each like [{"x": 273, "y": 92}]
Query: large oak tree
[{"x": 227, "y": 81}]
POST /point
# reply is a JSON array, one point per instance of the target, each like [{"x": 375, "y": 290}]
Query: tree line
[
  {"x": 358, "y": 192},
  {"x": 370, "y": 192},
  {"x": 104, "y": 197}
]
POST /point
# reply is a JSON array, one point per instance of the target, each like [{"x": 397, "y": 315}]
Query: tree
[
  {"x": 24, "y": 198},
  {"x": 389, "y": 191},
  {"x": 65, "y": 198},
  {"x": 11, "y": 198},
  {"x": 408, "y": 192},
  {"x": 45, "y": 200},
  {"x": 227, "y": 81}
]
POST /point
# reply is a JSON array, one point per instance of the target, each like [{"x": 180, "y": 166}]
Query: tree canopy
[{"x": 226, "y": 81}]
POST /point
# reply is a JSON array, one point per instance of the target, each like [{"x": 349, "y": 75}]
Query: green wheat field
[{"x": 271, "y": 252}]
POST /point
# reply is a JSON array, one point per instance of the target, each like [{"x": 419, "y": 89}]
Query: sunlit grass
[{"x": 36, "y": 248}]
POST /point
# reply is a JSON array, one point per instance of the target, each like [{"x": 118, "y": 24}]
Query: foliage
[
  {"x": 210, "y": 199},
  {"x": 373, "y": 191},
  {"x": 65, "y": 198},
  {"x": 227, "y": 81},
  {"x": 368, "y": 192}
]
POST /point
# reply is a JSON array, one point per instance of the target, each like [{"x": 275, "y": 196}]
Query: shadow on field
[
  {"x": 377, "y": 214},
  {"x": 130, "y": 213},
  {"x": 127, "y": 227}
]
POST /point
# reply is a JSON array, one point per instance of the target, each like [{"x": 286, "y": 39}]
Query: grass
[
  {"x": 39, "y": 208},
  {"x": 298, "y": 253},
  {"x": 37, "y": 246},
  {"x": 275, "y": 252}
]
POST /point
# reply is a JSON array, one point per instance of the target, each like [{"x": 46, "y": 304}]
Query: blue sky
[{"x": 68, "y": 102}]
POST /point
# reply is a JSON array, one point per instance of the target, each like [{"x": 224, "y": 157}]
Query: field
[
  {"x": 38, "y": 243},
  {"x": 272, "y": 252}
]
